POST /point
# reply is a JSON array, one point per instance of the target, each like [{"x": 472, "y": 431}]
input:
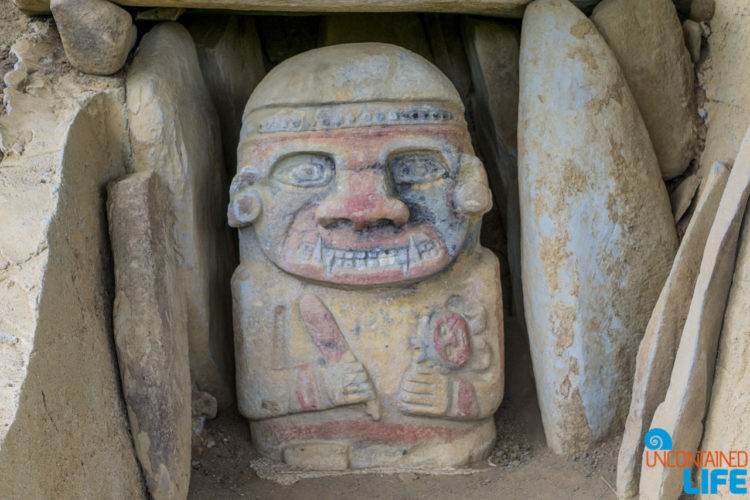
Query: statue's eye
[
  {"x": 417, "y": 167},
  {"x": 304, "y": 170}
]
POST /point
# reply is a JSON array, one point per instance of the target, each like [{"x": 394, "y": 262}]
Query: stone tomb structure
[{"x": 367, "y": 316}]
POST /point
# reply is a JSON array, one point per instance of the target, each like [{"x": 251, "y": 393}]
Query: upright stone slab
[
  {"x": 405, "y": 30},
  {"x": 150, "y": 323},
  {"x": 727, "y": 423},
  {"x": 646, "y": 36},
  {"x": 492, "y": 48},
  {"x": 232, "y": 62},
  {"x": 598, "y": 237},
  {"x": 63, "y": 426},
  {"x": 659, "y": 345},
  {"x": 174, "y": 131},
  {"x": 684, "y": 407}
]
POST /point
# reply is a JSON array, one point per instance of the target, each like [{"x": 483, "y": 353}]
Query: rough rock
[
  {"x": 646, "y": 36},
  {"x": 97, "y": 34},
  {"x": 63, "y": 427},
  {"x": 657, "y": 350},
  {"x": 232, "y": 63},
  {"x": 405, "y": 30},
  {"x": 174, "y": 131},
  {"x": 693, "y": 34},
  {"x": 502, "y": 8},
  {"x": 682, "y": 196},
  {"x": 683, "y": 409},
  {"x": 724, "y": 76},
  {"x": 702, "y": 10},
  {"x": 598, "y": 236},
  {"x": 727, "y": 424},
  {"x": 150, "y": 325},
  {"x": 492, "y": 48}
]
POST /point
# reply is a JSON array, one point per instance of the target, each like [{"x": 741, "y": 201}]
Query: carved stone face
[
  {"x": 359, "y": 193},
  {"x": 361, "y": 206}
]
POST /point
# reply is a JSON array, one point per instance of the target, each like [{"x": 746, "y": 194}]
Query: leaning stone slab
[
  {"x": 682, "y": 197},
  {"x": 174, "y": 131},
  {"x": 727, "y": 422},
  {"x": 63, "y": 426},
  {"x": 97, "y": 35},
  {"x": 598, "y": 237},
  {"x": 683, "y": 409},
  {"x": 151, "y": 332},
  {"x": 230, "y": 57},
  {"x": 646, "y": 36},
  {"x": 657, "y": 350},
  {"x": 492, "y": 48}
]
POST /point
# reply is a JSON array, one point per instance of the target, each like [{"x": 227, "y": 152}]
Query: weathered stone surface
[
  {"x": 702, "y": 10},
  {"x": 597, "y": 236},
  {"x": 646, "y": 36},
  {"x": 727, "y": 424},
  {"x": 693, "y": 34},
  {"x": 443, "y": 32},
  {"x": 97, "y": 34},
  {"x": 368, "y": 327},
  {"x": 682, "y": 196},
  {"x": 32, "y": 7},
  {"x": 63, "y": 429},
  {"x": 405, "y": 30},
  {"x": 150, "y": 323},
  {"x": 492, "y": 48},
  {"x": 232, "y": 63},
  {"x": 657, "y": 350},
  {"x": 724, "y": 76},
  {"x": 683, "y": 409},
  {"x": 174, "y": 131}
]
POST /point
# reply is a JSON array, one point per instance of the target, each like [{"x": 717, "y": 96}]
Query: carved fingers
[
  {"x": 347, "y": 383},
  {"x": 424, "y": 391}
]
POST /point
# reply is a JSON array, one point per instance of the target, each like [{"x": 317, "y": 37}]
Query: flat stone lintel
[{"x": 502, "y": 8}]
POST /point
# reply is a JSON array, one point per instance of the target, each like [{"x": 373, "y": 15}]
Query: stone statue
[{"x": 367, "y": 317}]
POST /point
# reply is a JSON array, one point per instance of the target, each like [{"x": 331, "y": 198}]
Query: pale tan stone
[
  {"x": 724, "y": 76},
  {"x": 503, "y": 8},
  {"x": 657, "y": 350},
  {"x": 646, "y": 36},
  {"x": 174, "y": 131},
  {"x": 597, "y": 236},
  {"x": 693, "y": 34},
  {"x": 63, "y": 428},
  {"x": 683, "y": 409},
  {"x": 492, "y": 47},
  {"x": 230, "y": 57},
  {"x": 702, "y": 10},
  {"x": 682, "y": 196},
  {"x": 367, "y": 316},
  {"x": 402, "y": 29},
  {"x": 150, "y": 324},
  {"x": 727, "y": 426},
  {"x": 97, "y": 34}
]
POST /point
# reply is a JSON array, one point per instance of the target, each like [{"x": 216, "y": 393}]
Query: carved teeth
[
  {"x": 418, "y": 250},
  {"x": 318, "y": 251}
]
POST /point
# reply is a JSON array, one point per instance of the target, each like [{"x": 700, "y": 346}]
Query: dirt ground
[{"x": 520, "y": 467}]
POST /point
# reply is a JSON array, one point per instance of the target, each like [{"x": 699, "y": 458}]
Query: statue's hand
[
  {"x": 346, "y": 383},
  {"x": 424, "y": 391}
]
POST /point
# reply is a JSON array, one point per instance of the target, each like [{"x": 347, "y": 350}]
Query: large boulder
[
  {"x": 646, "y": 36},
  {"x": 597, "y": 233},
  {"x": 174, "y": 131}
]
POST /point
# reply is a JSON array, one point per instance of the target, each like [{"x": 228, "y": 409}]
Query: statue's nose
[{"x": 363, "y": 199}]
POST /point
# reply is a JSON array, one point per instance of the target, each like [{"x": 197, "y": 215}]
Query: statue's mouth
[
  {"x": 346, "y": 257},
  {"x": 419, "y": 250}
]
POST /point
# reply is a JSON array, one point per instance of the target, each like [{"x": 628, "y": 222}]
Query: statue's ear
[
  {"x": 245, "y": 204},
  {"x": 472, "y": 195}
]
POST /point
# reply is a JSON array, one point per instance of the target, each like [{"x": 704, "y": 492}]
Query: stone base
[{"x": 348, "y": 441}]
